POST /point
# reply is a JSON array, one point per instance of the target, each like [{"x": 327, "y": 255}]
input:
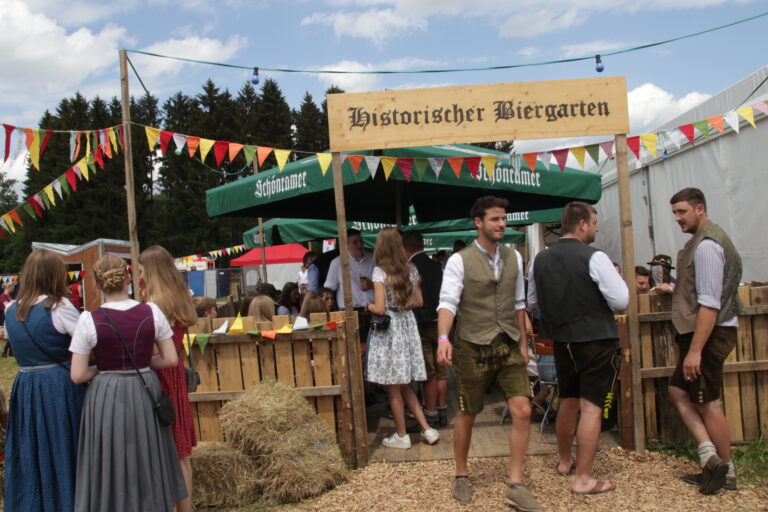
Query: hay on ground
[
  {"x": 295, "y": 452},
  {"x": 223, "y": 476}
]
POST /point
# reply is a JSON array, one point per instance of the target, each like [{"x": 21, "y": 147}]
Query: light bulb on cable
[
  {"x": 255, "y": 77},
  {"x": 599, "y": 64}
]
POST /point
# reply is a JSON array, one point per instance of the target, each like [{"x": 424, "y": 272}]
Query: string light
[
  {"x": 255, "y": 77},
  {"x": 599, "y": 64}
]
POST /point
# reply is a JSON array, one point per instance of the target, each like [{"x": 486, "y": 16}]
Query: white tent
[{"x": 730, "y": 168}]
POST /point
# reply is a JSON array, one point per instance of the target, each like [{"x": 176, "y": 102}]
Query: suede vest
[
  {"x": 487, "y": 306},
  {"x": 685, "y": 304},
  {"x": 571, "y": 305}
]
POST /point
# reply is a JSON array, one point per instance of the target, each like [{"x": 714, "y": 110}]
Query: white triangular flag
[
  {"x": 57, "y": 187},
  {"x": 732, "y": 118},
  {"x": 180, "y": 140},
  {"x": 436, "y": 164},
  {"x": 72, "y": 145},
  {"x": 373, "y": 164}
]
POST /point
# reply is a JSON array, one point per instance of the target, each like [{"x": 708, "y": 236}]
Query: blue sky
[{"x": 50, "y": 51}]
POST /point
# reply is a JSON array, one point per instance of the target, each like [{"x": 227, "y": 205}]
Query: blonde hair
[
  {"x": 390, "y": 257},
  {"x": 110, "y": 272},
  {"x": 261, "y": 308},
  {"x": 44, "y": 273},
  {"x": 166, "y": 288}
]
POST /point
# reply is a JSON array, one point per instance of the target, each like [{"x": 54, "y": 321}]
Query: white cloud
[
  {"x": 79, "y": 12},
  {"x": 368, "y": 82},
  {"x": 650, "y": 106},
  {"x": 529, "y": 24},
  {"x": 529, "y": 51},
  {"x": 376, "y": 25},
  {"x": 592, "y": 48}
]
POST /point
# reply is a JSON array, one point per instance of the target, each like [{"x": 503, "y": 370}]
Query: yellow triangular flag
[
  {"x": 83, "y": 166},
  {"x": 649, "y": 141},
  {"x": 286, "y": 329},
  {"x": 34, "y": 149},
  {"x": 237, "y": 326},
  {"x": 489, "y": 162},
  {"x": 282, "y": 156},
  {"x": 324, "y": 159},
  {"x": 113, "y": 140},
  {"x": 205, "y": 147},
  {"x": 88, "y": 155},
  {"x": 189, "y": 340},
  {"x": 388, "y": 163},
  {"x": 748, "y": 114},
  {"x": 152, "y": 135},
  {"x": 71, "y": 275},
  {"x": 9, "y": 222},
  {"x": 578, "y": 153},
  {"x": 49, "y": 192}
]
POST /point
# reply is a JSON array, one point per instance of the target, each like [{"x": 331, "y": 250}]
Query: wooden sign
[{"x": 478, "y": 113}]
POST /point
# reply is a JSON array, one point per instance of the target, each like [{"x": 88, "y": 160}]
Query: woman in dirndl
[{"x": 126, "y": 459}]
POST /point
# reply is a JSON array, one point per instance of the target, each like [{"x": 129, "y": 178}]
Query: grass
[{"x": 750, "y": 459}]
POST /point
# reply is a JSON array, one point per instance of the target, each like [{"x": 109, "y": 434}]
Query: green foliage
[{"x": 309, "y": 127}]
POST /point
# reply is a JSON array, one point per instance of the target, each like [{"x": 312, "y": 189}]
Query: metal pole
[{"x": 130, "y": 197}]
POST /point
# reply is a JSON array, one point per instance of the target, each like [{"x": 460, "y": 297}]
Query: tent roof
[{"x": 289, "y": 253}]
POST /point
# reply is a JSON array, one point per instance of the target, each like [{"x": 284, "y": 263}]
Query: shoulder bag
[
  {"x": 192, "y": 376},
  {"x": 163, "y": 406}
]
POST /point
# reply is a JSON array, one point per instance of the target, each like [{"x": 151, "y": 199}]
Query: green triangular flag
[
  {"x": 249, "y": 152},
  {"x": 46, "y": 201},
  {"x": 29, "y": 210},
  {"x": 316, "y": 326},
  {"x": 91, "y": 166},
  {"x": 594, "y": 152},
  {"x": 254, "y": 333},
  {"x": 202, "y": 341},
  {"x": 64, "y": 184},
  {"x": 421, "y": 165},
  {"x": 703, "y": 127}
]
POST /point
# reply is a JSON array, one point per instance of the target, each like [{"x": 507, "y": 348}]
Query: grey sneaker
[
  {"x": 519, "y": 497},
  {"x": 461, "y": 490},
  {"x": 713, "y": 475},
  {"x": 695, "y": 479}
]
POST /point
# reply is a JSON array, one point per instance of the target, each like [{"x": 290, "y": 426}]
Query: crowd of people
[{"x": 86, "y": 429}]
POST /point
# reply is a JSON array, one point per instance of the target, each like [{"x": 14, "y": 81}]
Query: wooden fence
[
  {"x": 745, "y": 382},
  {"x": 314, "y": 361}
]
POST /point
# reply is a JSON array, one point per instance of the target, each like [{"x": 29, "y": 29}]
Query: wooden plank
[
  {"x": 203, "y": 326},
  {"x": 649, "y": 387},
  {"x": 729, "y": 368},
  {"x": 302, "y": 360},
  {"x": 284, "y": 362},
  {"x": 266, "y": 353},
  {"x": 745, "y": 352},
  {"x": 759, "y": 296},
  {"x": 321, "y": 358},
  {"x": 626, "y": 421},
  {"x": 664, "y": 316},
  {"x": 309, "y": 392},
  {"x": 732, "y": 402},
  {"x": 205, "y": 363},
  {"x": 227, "y": 360}
]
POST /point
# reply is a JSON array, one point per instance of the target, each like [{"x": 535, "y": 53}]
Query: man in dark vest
[
  {"x": 431, "y": 275},
  {"x": 705, "y": 305},
  {"x": 483, "y": 285},
  {"x": 577, "y": 289}
]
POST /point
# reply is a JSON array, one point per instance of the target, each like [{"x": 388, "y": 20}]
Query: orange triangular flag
[
  {"x": 192, "y": 145},
  {"x": 717, "y": 122},
  {"x": 530, "y": 159},
  {"x": 15, "y": 216},
  {"x": 205, "y": 147},
  {"x": 152, "y": 135},
  {"x": 748, "y": 114},
  {"x": 387, "y": 164},
  {"x": 456, "y": 162},
  {"x": 354, "y": 161},
  {"x": 489, "y": 162},
  {"x": 282, "y": 156},
  {"x": 234, "y": 149},
  {"x": 269, "y": 334},
  {"x": 263, "y": 152},
  {"x": 324, "y": 159}
]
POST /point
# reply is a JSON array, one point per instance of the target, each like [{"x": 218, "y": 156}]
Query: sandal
[
  {"x": 566, "y": 473},
  {"x": 596, "y": 489}
]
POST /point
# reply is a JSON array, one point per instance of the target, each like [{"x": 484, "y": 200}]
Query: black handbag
[
  {"x": 163, "y": 406},
  {"x": 380, "y": 323},
  {"x": 191, "y": 375}
]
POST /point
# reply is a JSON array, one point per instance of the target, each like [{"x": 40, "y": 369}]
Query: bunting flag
[
  {"x": 189, "y": 340},
  {"x": 249, "y": 152},
  {"x": 106, "y": 146},
  {"x": 205, "y": 147},
  {"x": 324, "y": 159},
  {"x": 179, "y": 140},
  {"x": 237, "y": 326},
  {"x": 192, "y": 144},
  {"x": 420, "y": 166},
  {"x": 761, "y": 106},
  {"x": 8, "y": 131},
  {"x": 8, "y": 223},
  {"x": 561, "y": 157},
  {"x": 578, "y": 154},
  {"x": 455, "y": 162},
  {"x": 593, "y": 150},
  {"x": 220, "y": 149},
  {"x": 202, "y": 340},
  {"x": 270, "y": 335},
  {"x": 545, "y": 157},
  {"x": 354, "y": 161},
  {"x": 281, "y": 155},
  {"x": 263, "y": 152},
  {"x": 113, "y": 141},
  {"x": 387, "y": 164},
  {"x": 15, "y": 216},
  {"x": 57, "y": 188},
  {"x": 82, "y": 166},
  {"x": 732, "y": 118},
  {"x": 716, "y": 122},
  {"x": 152, "y": 135},
  {"x": 687, "y": 130},
  {"x": 703, "y": 127},
  {"x": 530, "y": 160},
  {"x": 31, "y": 201},
  {"x": 234, "y": 149},
  {"x": 649, "y": 141},
  {"x": 406, "y": 165},
  {"x": 34, "y": 147},
  {"x": 45, "y": 141},
  {"x": 489, "y": 164},
  {"x": 165, "y": 138},
  {"x": 372, "y": 162},
  {"x": 748, "y": 114},
  {"x": 436, "y": 164},
  {"x": 473, "y": 164},
  {"x": 286, "y": 329},
  {"x": 607, "y": 148}
]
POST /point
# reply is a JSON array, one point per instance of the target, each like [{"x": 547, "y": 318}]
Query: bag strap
[
  {"x": 189, "y": 350},
  {"x": 130, "y": 355},
  {"x": 40, "y": 348}
]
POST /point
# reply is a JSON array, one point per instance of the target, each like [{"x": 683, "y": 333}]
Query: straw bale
[
  {"x": 223, "y": 476},
  {"x": 295, "y": 453}
]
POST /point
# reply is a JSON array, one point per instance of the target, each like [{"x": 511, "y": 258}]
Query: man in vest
[
  {"x": 483, "y": 284},
  {"x": 705, "y": 305},
  {"x": 577, "y": 289}
]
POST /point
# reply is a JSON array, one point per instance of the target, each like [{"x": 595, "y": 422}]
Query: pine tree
[
  {"x": 324, "y": 119},
  {"x": 275, "y": 120},
  {"x": 309, "y": 127}
]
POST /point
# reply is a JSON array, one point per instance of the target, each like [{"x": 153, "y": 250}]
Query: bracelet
[{"x": 443, "y": 339}]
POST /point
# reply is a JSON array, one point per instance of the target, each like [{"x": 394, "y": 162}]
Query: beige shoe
[{"x": 461, "y": 491}]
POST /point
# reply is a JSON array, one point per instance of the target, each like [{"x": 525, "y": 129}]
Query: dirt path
[{"x": 651, "y": 482}]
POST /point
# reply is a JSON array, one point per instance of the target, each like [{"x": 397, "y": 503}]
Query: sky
[{"x": 51, "y": 51}]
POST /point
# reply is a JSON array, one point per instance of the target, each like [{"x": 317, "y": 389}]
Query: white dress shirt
[
  {"x": 453, "y": 279},
  {"x": 709, "y": 262},
  {"x": 603, "y": 273},
  {"x": 357, "y": 269},
  {"x": 63, "y": 314}
]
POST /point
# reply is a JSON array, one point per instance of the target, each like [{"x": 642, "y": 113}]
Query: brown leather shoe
[
  {"x": 713, "y": 475},
  {"x": 695, "y": 479}
]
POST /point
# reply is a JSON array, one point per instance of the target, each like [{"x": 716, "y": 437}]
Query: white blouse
[{"x": 63, "y": 314}]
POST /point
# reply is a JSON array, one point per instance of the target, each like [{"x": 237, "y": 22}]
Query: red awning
[{"x": 289, "y": 253}]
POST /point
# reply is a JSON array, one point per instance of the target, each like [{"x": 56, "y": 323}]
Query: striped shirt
[{"x": 709, "y": 262}]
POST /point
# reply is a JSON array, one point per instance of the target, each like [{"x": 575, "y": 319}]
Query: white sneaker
[
  {"x": 430, "y": 435},
  {"x": 395, "y": 441}
]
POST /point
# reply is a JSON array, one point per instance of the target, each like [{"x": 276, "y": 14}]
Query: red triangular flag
[
  {"x": 34, "y": 205},
  {"x": 473, "y": 164},
  {"x": 687, "y": 130},
  {"x": 530, "y": 159},
  {"x": 220, "y": 148},
  {"x": 71, "y": 178},
  {"x": 165, "y": 138},
  {"x": 119, "y": 131},
  {"x": 354, "y": 161},
  {"x": 45, "y": 141},
  {"x": 561, "y": 157},
  {"x": 633, "y": 143},
  {"x": 8, "y": 131},
  {"x": 405, "y": 165},
  {"x": 263, "y": 152},
  {"x": 455, "y": 163},
  {"x": 331, "y": 325},
  {"x": 98, "y": 157},
  {"x": 107, "y": 146}
]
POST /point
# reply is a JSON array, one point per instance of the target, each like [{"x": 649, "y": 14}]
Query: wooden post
[
  {"x": 353, "y": 344},
  {"x": 628, "y": 262},
  {"x": 130, "y": 198}
]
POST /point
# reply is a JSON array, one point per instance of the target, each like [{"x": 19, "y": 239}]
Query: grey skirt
[{"x": 126, "y": 461}]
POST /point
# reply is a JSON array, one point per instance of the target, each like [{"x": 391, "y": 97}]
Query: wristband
[{"x": 443, "y": 339}]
